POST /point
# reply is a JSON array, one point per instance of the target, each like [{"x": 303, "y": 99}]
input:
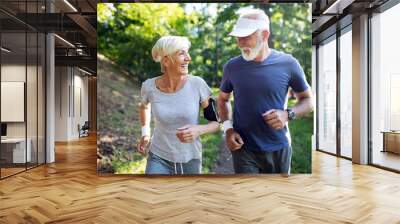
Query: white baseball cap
[{"x": 245, "y": 27}]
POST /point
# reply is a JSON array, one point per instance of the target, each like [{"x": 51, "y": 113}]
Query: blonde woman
[{"x": 174, "y": 99}]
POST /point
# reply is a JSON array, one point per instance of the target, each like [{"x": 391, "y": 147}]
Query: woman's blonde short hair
[{"x": 168, "y": 45}]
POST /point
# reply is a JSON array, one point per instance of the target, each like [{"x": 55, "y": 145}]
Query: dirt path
[{"x": 224, "y": 164}]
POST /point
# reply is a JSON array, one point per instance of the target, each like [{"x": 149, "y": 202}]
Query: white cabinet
[{"x": 18, "y": 149}]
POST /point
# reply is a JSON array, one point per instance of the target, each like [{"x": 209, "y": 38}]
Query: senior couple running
[{"x": 257, "y": 136}]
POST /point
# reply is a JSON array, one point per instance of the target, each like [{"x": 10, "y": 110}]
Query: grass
[
  {"x": 211, "y": 146},
  {"x": 129, "y": 167},
  {"x": 300, "y": 131}
]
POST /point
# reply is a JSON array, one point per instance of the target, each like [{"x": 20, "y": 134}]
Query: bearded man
[{"x": 259, "y": 78}]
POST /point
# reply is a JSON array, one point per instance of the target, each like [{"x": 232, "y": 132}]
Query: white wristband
[
  {"x": 146, "y": 130},
  {"x": 227, "y": 125}
]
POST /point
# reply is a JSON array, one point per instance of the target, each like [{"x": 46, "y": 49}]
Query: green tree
[{"x": 127, "y": 33}]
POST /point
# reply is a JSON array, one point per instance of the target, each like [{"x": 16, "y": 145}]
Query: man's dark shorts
[{"x": 246, "y": 161}]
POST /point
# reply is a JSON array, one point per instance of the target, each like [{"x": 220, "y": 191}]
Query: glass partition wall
[
  {"x": 346, "y": 92},
  {"x": 334, "y": 90},
  {"x": 13, "y": 88},
  {"x": 385, "y": 89},
  {"x": 327, "y": 96},
  {"x": 22, "y": 87}
]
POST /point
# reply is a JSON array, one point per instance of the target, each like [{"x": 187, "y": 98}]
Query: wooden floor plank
[{"x": 70, "y": 191}]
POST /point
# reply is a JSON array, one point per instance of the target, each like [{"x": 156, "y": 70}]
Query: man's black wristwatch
[{"x": 291, "y": 114}]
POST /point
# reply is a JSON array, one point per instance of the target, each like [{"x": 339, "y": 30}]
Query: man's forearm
[
  {"x": 303, "y": 106},
  {"x": 224, "y": 110}
]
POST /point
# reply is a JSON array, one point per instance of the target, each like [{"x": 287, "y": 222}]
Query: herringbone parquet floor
[{"x": 70, "y": 191}]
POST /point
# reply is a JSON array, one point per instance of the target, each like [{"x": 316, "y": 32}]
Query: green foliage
[
  {"x": 300, "y": 132},
  {"x": 127, "y": 33}
]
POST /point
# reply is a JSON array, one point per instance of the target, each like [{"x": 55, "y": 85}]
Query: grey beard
[{"x": 253, "y": 52}]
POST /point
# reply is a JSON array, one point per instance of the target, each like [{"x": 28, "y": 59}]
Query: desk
[
  {"x": 391, "y": 141},
  {"x": 17, "y": 150}
]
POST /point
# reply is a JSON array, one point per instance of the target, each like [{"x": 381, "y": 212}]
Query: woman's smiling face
[{"x": 178, "y": 62}]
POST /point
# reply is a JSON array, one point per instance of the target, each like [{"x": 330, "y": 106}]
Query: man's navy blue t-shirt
[{"x": 258, "y": 87}]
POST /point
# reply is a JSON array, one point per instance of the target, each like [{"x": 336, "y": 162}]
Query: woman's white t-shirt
[{"x": 174, "y": 110}]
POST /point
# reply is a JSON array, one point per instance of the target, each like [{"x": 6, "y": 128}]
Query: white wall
[
  {"x": 80, "y": 101},
  {"x": 71, "y": 94},
  {"x": 61, "y": 103}
]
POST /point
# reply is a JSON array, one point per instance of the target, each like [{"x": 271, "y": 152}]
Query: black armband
[{"x": 210, "y": 112}]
